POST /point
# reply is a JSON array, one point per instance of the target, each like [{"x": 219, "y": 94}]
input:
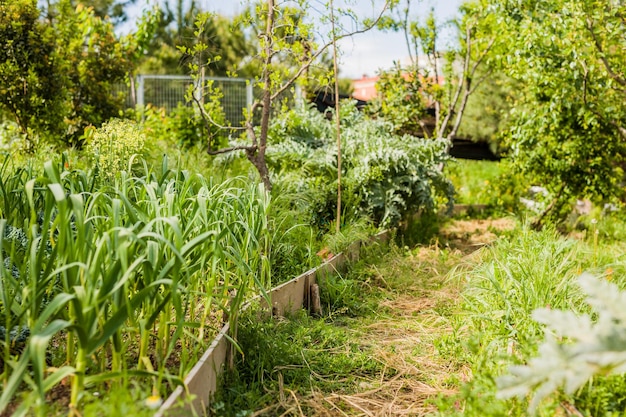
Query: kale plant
[{"x": 384, "y": 176}]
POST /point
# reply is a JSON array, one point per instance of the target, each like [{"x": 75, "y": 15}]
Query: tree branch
[
  {"x": 457, "y": 93},
  {"x": 605, "y": 61},
  {"x": 246, "y": 148},
  {"x": 313, "y": 57}
]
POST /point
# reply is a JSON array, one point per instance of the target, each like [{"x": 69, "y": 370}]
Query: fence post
[
  {"x": 249, "y": 94},
  {"x": 298, "y": 96},
  {"x": 140, "y": 91}
]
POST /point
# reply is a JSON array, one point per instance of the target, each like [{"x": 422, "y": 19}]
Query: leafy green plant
[
  {"x": 32, "y": 89},
  {"x": 385, "y": 176},
  {"x": 114, "y": 145},
  {"x": 124, "y": 281},
  {"x": 571, "y": 106},
  {"x": 403, "y": 101},
  {"x": 522, "y": 272}
]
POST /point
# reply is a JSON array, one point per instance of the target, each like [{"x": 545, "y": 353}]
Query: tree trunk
[{"x": 257, "y": 158}]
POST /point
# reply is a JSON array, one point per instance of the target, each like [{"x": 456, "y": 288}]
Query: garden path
[{"x": 408, "y": 334}]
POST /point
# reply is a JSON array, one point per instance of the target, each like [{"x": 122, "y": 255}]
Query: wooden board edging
[
  {"x": 201, "y": 379},
  {"x": 288, "y": 297}
]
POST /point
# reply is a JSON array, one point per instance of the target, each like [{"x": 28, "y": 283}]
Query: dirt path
[{"x": 409, "y": 336}]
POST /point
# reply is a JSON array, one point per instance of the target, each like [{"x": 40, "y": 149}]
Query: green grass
[
  {"x": 474, "y": 181},
  {"x": 523, "y": 272},
  {"x": 299, "y": 354}
]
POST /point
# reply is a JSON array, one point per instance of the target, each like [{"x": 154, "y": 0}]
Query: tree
[
  {"x": 438, "y": 83},
  {"x": 224, "y": 37},
  {"x": 32, "y": 88},
  {"x": 57, "y": 77},
  {"x": 569, "y": 120},
  {"x": 283, "y": 36},
  {"x": 93, "y": 61},
  {"x": 114, "y": 10}
]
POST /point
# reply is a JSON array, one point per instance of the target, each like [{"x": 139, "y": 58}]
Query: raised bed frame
[{"x": 201, "y": 382}]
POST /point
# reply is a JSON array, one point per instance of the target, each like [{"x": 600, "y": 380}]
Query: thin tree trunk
[
  {"x": 257, "y": 156},
  {"x": 337, "y": 116}
]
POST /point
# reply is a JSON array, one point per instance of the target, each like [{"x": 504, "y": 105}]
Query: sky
[{"x": 363, "y": 54}]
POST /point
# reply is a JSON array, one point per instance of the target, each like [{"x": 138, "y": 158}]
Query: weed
[{"x": 299, "y": 354}]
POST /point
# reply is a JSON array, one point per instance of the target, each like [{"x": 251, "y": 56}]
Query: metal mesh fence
[{"x": 168, "y": 92}]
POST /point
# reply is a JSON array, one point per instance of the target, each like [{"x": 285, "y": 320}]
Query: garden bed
[{"x": 201, "y": 382}]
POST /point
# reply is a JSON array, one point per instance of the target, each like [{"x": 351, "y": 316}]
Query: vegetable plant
[{"x": 120, "y": 279}]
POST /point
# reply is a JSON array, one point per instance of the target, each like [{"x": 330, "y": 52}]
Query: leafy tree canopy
[{"x": 568, "y": 131}]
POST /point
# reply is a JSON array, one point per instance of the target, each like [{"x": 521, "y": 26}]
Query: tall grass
[
  {"x": 518, "y": 275},
  {"x": 129, "y": 277}
]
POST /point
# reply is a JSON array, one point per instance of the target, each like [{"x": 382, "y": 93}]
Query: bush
[
  {"x": 114, "y": 144},
  {"x": 384, "y": 176}
]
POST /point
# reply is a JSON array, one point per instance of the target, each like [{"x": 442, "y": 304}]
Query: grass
[
  {"x": 473, "y": 180},
  {"x": 428, "y": 330},
  {"x": 523, "y": 272},
  {"x": 372, "y": 349}
]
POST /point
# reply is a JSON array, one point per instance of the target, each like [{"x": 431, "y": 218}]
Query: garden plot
[
  {"x": 120, "y": 287},
  {"x": 427, "y": 331}
]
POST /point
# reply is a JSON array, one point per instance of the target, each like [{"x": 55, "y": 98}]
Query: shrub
[
  {"x": 113, "y": 145},
  {"x": 384, "y": 176}
]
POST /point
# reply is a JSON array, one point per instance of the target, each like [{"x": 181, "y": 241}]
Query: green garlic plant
[{"x": 121, "y": 283}]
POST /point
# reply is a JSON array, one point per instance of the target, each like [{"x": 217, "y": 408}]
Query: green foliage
[
  {"x": 32, "y": 87},
  {"x": 402, "y": 101},
  {"x": 228, "y": 44},
  {"x": 291, "y": 354},
  {"x": 93, "y": 61},
  {"x": 57, "y": 75},
  {"x": 575, "y": 348},
  {"x": 121, "y": 282},
  {"x": 441, "y": 81},
  {"x": 521, "y": 273},
  {"x": 294, "y": 241},
  {"x": 385, "y": 176},
  {"x": 184, "y": 127},
  {"x": 488, "y": 109},
  {"x": 114, "y": 145},
  {"x": 567, "y": 129}
]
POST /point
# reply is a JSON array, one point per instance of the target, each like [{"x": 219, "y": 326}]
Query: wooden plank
[
  {"x": 292, "y": 295},
  {"x": 201, "y": 381},
  {"x": 353, "y": 251}
]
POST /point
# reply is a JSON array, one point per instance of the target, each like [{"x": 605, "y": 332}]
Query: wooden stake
[{"x": 337, "y": 118}]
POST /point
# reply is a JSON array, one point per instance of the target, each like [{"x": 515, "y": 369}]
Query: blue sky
[{"x": 365, "y": 53}]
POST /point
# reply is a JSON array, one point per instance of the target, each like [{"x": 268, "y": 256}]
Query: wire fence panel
[
  {"x": 162, "y": 91},
  {"x": 169, "y": 92}
]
